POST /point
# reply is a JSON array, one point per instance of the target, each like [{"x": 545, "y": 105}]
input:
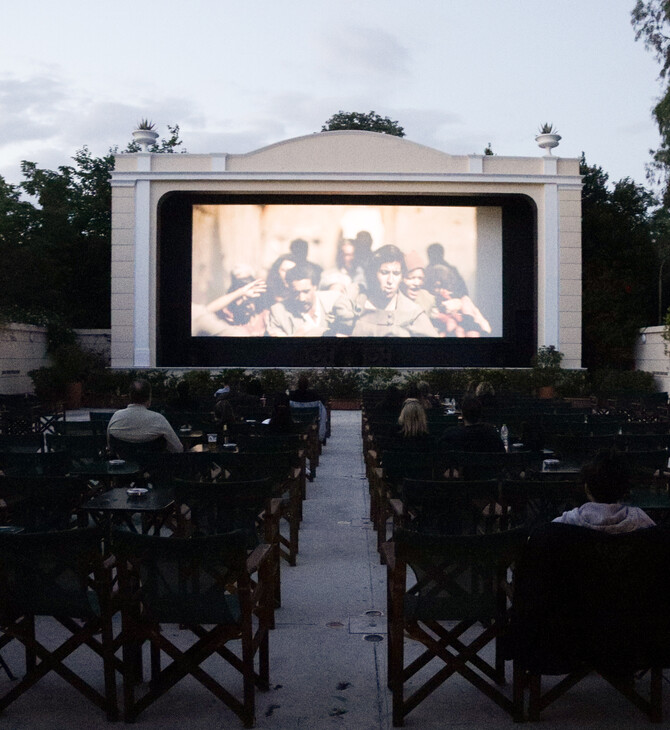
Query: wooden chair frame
[
  {"x": 466, "y": 581},
  {"x": 221, "y": 560},
  {"x": 58, "y": 572}
]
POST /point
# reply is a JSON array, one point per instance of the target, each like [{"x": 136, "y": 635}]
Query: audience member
[
  {"x": 414, "y": 426},
  {"x": 473, "y": 435},
  {"x": 303, "y": 393},
  {"x": 281, "y": 420},
  {"x": 606, "y": 481},
  {"x": 137, "y": 424}
]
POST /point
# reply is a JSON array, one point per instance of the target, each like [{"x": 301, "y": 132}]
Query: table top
[
  {"x": 113, "y": 468},
  {"x": 118, "y": 500}
]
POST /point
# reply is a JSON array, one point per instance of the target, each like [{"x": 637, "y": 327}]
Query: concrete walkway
[{"x": 328, "y": 651}]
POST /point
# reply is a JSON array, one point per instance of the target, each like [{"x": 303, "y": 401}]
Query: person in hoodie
[{"x": 606, "y": 481}]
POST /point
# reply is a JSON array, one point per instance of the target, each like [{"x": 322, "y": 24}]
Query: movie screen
[{"x": 284, "y": 270}]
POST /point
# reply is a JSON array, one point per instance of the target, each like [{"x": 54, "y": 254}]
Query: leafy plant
[
  {"x": 547, "y": 128},
  {"x": 145, "y": 124}
]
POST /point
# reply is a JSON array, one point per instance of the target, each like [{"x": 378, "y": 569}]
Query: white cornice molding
[{"x": 125, "y": 178}]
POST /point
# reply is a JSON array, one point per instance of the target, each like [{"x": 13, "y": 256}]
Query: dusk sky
[{"x": 237, "y": 76}]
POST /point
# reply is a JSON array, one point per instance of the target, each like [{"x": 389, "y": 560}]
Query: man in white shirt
[
  {"x": 137, "y": 424},
  {"x": 307, "y": 312}
]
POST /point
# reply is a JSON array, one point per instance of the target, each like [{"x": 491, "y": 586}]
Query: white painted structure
[
  {"x": 340, "y": 163},
  {"x": 652, "y": 357}
]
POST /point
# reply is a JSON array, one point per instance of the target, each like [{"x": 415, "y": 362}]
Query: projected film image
[{"x": 284, "y": 270}]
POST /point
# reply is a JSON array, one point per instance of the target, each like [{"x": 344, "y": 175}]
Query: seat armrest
[
  {"x": 397, "y": 507},
  {"x": 257, "y": 557},
  {"x": 388, "y": 555}
]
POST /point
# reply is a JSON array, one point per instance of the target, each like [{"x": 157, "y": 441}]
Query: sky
[{"x": 237, "y": 76}]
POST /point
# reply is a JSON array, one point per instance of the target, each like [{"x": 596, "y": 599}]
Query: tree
[
  {"x": 619, "y": 266},
  {"x": 368, "y": 122},
  {"x": 651, "y": 20},
  {"x": 56, "y": 251}
]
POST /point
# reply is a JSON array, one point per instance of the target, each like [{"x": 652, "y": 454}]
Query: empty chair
[
  {"x": 204, "y": 585},
  {"x": 59, "y": 575},
  {"x": 459, "y": 584}
]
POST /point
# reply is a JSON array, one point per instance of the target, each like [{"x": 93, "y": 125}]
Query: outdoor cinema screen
[
  {"x": 346, "y": 270},
  {"x": 314, "y": 279}
]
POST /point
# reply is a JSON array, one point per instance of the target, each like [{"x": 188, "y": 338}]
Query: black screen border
[{"x": 175, "y": 347}]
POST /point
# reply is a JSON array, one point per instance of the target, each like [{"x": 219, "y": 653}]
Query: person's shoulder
[
  {"x": 328, "y": 298},
  {"x": 278, "y": 309}
]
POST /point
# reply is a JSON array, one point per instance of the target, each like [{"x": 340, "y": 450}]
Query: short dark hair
[
  {"x": 471, "y": 409},
  {"x": 303, "y": 270},
  {"x": 386, "y": 254},
  {"x": 140, "y": 391},
  {"x": 607, "y": 476}
]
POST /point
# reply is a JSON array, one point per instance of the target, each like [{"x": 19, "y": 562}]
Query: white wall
[
  {"x": 23, "y": 348},
  {"x": 650, "y": 356}
]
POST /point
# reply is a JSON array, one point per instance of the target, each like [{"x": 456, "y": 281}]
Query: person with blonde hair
[{"x": 414, "y": 426}]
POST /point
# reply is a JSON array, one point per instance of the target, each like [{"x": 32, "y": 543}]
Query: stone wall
[{"x": 23, "y": 348}]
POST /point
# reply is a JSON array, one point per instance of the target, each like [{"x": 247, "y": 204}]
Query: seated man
[
  {"x": 306, "y": 312},
  {"x": 606, "y": 481},
  {"x": 473, "y": 435},
  {"x": 137, "y": 424}
]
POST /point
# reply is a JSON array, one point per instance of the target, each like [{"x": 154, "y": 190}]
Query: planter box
[{"x": 345, "y": 404}]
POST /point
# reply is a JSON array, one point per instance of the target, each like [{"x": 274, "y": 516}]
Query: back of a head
[
  {"x": 471, "y": 409},
  {"x": 412, "y": 419},
  {"x": 607, "y": 477},
  {"x": 484, "y": 388},
  {"x": 140, "y": 391},
  {"x": 303, "y": 382}
]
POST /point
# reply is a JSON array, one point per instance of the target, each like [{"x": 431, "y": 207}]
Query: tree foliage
[
  {"x": 55, "y": 246},
  {"x": 365, "y": 121},
  {"x": 651, "y": 20},
  {"x": 619, "y": 267}
]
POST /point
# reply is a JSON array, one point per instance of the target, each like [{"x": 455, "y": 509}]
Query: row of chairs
[
  {"x": 562, "y": 602},
  {"x": 210, "y": 586}
]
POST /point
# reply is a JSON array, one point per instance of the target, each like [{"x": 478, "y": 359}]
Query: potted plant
[
  {"x": 546, "y": 364},
  {"x": 548, "y": 137},
  {"x": 145, "y": 134}
]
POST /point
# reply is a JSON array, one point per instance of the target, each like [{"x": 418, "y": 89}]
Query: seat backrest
[
  {"x": 531, "y": 502},
  {"x": 457, "y": 577},
  {"x": 48, "y": 574},
  {"x": 189, "y": 581},
  {"x": 43, "y": 503},
  {"x": 450, "y": 506},
  {"x": 219, "y": 507},
  {"x": 585, "y": 596},
  {"x": 133, "y": 450}
]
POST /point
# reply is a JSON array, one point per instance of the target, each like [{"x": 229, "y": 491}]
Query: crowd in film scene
[{"x": 366, "y": 293}]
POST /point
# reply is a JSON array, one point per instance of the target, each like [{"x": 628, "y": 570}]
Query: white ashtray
[
  {"x": 517, "y": 446},
  {"x": 116, "y": 462},
  {"x": 136, "y": 491},
  {"x": 549, "y": 464},
  {"x": 229, "y": 446}
]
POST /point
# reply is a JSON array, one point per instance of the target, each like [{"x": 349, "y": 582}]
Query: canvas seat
[{"x": 204, "y": 585}]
